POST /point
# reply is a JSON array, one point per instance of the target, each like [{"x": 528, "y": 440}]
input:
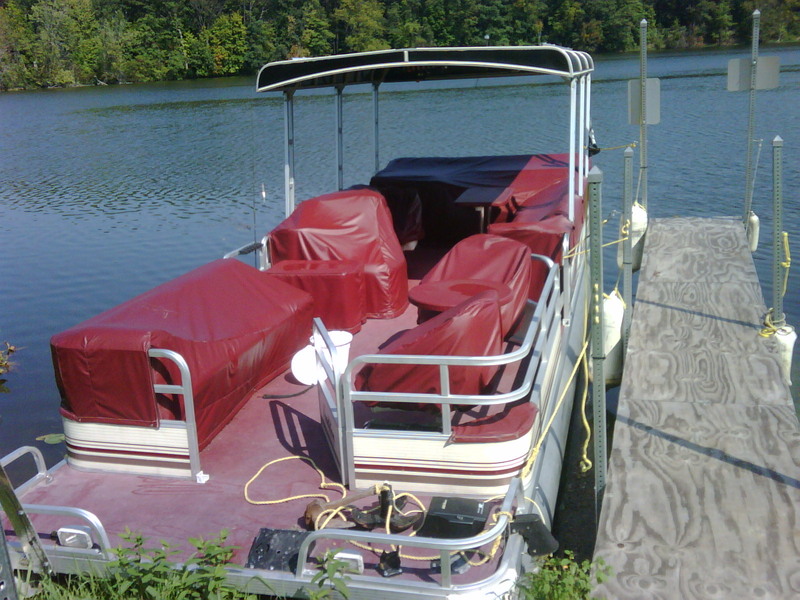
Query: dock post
[
  {"x": 778, "y": 269},
  {"x": 748, "y": 191},
  {"x": 627, "y": 250},
  {"x": 643, "y": 110},
  {"x": 595, "y": 180}
]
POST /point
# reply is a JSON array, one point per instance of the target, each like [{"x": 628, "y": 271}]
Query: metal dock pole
[
  {"x": 595, "y": 180},
  {"x": 748, "y": 191},
  {"x": 627, "y": 251},
  {"x": 778, "y": 273},
  {"x": 643, "y": 113}
]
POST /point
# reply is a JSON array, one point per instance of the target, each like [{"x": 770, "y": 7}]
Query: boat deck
[
  {"x": 703, "y": 493},
  {"x": 280, "y": 421}
]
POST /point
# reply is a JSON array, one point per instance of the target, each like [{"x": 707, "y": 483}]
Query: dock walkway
[{"x": 703, "y": 492}]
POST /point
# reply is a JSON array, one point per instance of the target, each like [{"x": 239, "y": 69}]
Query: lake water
[{"x": 106, "y": 192}]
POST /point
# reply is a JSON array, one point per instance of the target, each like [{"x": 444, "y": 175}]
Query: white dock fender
[
  {"x": 753, "y": 231},
  {"x": 637, "y": 230}
]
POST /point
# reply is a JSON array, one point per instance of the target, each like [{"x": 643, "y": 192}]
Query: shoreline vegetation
[{"x": 62, "y": 43}]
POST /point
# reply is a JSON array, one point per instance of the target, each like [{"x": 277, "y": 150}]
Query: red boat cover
[
  {"x": 337, "y": 287},
  {"x": 236, "y": 327},
  {"x": 538, "y": 180},
  {"x": 485, "y": 256},
  {"x": 349, "y": 225},
  {"x": 470, "y": 329}
]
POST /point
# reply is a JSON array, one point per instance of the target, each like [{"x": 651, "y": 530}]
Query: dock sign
[{"x": 767, "y": 71}]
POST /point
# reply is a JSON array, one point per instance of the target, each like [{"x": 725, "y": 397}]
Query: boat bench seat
[
  {"x": 491, "y": 258},
  {"x": 510, "y": 423},
  {"x": 236, "y": 328},
  {"x": 473, "y": 328}
]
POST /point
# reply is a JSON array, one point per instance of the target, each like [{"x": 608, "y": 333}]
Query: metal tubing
[
  {"x": 339, "y": 140},
  {"x": 751, "y": 118},
  {"x": 288, "y": 170},
  {"x": 185, "y": 390},
  {"x": 643, "y": 111},
  {"x": 778, "y": 317},
  {"x": 8, "y": 590},
  {"x": 596, "y": 315},
  {"x": 376, "y": 127},
  {"x": 627, "y": 251}
]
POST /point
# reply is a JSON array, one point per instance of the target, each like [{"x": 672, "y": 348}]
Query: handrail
[
  {"x": 444, "y": 546},
  {"x": 41, "y": 467},
  {"x": 101, "y": 537},
  {"x": 542, "y": 318},
  {"x": 184, "y": 388}
]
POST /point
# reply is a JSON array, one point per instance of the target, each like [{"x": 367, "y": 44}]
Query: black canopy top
[{"x": 422, "y": 64}]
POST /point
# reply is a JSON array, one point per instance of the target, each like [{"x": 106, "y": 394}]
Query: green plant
[
  {"x": 562, "y": 579},
  {"x": 149, "y": 573},
  {"x": 330, "y": 577}
]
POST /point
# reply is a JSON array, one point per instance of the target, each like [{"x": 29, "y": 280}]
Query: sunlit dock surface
[{"x": 703, "y": 493}]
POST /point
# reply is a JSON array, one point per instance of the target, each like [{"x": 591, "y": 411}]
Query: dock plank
[{"x": 703, "y": 493}]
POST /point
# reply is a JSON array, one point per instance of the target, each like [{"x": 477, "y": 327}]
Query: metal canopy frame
[{"x": 429, "y": 64}]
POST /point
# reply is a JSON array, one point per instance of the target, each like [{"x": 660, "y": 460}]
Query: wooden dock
[{"x": 703, "y": 492}]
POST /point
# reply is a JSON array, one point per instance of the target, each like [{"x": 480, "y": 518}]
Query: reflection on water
[{"x": 107, "y": 192}]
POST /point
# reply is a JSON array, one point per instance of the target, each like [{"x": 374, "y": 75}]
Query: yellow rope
[
  {"x": 586, "y": 463},
  {"x": 770, "y": 328},
  {"x": 630, "y": 145},
  {"x": 535, "y": 451},
  {"x": 573, "y": 253},
  {"x": 323, "y": 484}
]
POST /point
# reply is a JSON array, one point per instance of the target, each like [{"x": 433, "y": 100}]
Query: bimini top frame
[
  {"x": 427, "y": 64},
  {"x": 422, "y": 64}
]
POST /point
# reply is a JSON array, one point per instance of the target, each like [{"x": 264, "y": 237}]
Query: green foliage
[
  {"x": 149, "y": 573},
  {"x": 67, "y": 42},
  {"x": 562, "y": 579},
  {"x": 331, "y": 577}
]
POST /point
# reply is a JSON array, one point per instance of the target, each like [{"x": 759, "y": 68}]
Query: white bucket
[
  {"x": 305, "y": 364},
  {"x": 341, "y": 340}
]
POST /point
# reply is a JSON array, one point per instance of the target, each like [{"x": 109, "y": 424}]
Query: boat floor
[{"x": 280, "y": 420}]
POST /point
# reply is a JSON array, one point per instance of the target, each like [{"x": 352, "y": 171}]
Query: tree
[
  {"x": 16, "y": 43},
  {"x": 363, "y": 24}
]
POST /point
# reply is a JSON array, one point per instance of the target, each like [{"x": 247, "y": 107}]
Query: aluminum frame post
[
  {"x": 376, "y": 127},
  {"x": 643, "y": 111},
  {"x": 595, "y": 180},
  {"x": 751, "y": 118},
  {"x": 339, "y": 139},
  {"x": 778, "y": 274},
  {"x": 8, "y": 590},
  {"x": 627, "y": 251},
  {"x": 288, "y": 168}
]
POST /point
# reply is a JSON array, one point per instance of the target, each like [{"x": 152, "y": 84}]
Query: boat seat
[
  {"x": 511, "y": 423},
  {"x": 350, "y": 225},
  {"x": 450, "y": 333},
  {"x": 236, "y": 328},
  {"x": 491, "y": 258}
]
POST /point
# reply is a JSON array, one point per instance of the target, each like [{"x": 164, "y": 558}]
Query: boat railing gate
[
  {"x": 536, "y": 335},
  {"x": 445, "y": 547},
  {"x": 62, "y": 558}
]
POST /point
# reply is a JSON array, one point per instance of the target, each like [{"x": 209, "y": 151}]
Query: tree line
[{"x": 46, "y": 43}]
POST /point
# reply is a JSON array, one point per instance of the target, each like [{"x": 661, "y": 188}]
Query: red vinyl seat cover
[
  {"x": 493, "y": 258},
  {"x": 236, "y": 327},
  {"x": 351, "y": 225},
  {"x": 470, "y": 329}
]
